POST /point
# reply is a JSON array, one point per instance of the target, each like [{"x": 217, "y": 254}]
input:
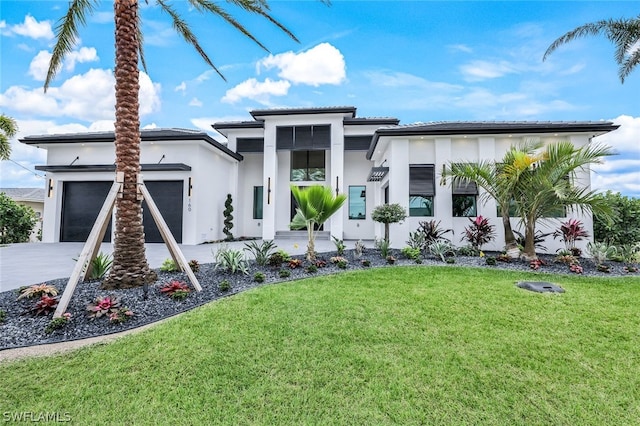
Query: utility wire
[{"x": 30, "y": 171}]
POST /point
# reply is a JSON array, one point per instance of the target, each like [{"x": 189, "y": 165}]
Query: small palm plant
[{"x": 316, "y": 204}]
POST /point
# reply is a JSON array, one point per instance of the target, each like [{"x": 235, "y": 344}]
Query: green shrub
[
  {"x": 416, "y": 240},
  {"x": 468, "y": 251},
  {"x": 259, "y": 277},
  {"x": 450, "y": 260},
  {"x": 490, "y": 260},
  {"x": 388, "y": 214},
  {"x": 339, "y": 245},
  {"x": 100, "y": 266},
  {"x": 384, "y": 246},
  {"x": 224, "y": 285},
  {"x": 228, "y": 217},
  {"x": 366, "y": 263},
  {"x": 16, "y": 221},
  {"x": 284, "y": 273},
  {"x": 169, "y": 265},
  {"x": 57, "y": 323},
  {"x": 278, "y": 258},
  {"x": 261, "y": 250},
  {"x": 231, "y": 260},
  {"x": 441, "y": 249},
  {"x": 625, "y": 225},
  {"x": 600, "y": 252},
  {"x": 411, "y": 253},
  {"x": 312, "y": 269},
  {"x": 3, "y": 316}
]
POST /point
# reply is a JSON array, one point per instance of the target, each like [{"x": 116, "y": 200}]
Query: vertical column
[
  {"x": 487, "y": 152},
  {"x": 442, "y": 202},
  {"x": 270, "y": 172},
  {"x": 398, "y": 161},
  {"x": 337, "y": 176}
]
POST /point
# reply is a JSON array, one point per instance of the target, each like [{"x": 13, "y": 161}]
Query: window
[
  {"x": 357, "y": 202},
  {"x": 299, "y": 138},
  {"x": 464, "y": 199},
  {"x": 257, "y": 202},
  {"x": 307, "y": 166},
  {"x": 421, "y": 189}
]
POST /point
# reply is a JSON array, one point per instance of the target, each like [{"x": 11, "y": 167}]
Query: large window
[
  {"x": 357, "y": 202},
  {"x": 421, "y": 189},
  {"x": 257, "y": 202},
  {"x": 307, "y": 166},
  {"x": 464, "y": 199}
]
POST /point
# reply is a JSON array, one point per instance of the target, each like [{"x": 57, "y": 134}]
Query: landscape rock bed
[{"x": 21, "y": 330}]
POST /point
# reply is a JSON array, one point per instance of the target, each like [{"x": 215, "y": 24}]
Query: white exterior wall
[
  {"x": 250, "y": 174},
  {"x": 356, "y": 170},
  {"x": 213, "y": 175}
]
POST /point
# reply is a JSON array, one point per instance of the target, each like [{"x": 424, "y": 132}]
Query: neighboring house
[
  {"x": 30, "y": 197},
  {"x": 372, "y": 160}
]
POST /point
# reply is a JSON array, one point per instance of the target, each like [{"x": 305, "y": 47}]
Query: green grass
[{"x": 409, "y": 345}]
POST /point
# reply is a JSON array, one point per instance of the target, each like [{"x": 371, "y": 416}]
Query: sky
[{"x": 418, "y": 61}]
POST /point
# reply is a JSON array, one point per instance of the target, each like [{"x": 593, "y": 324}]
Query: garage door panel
[
  {"x": 81, "y": 204},
  {"x": 168, "y": 196}
]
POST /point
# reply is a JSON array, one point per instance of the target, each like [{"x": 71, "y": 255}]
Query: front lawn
[{"x": 404, "y": 345}]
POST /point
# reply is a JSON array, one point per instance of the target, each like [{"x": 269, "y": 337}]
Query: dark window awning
[
  {"x": 377, "y": 174},
  {"x": 165, "y": 167}
]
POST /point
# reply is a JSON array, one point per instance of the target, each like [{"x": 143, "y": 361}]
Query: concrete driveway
[{"x": 34, "y": 263}]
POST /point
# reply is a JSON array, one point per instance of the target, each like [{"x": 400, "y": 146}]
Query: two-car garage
[{"x": 82, "y": 201}]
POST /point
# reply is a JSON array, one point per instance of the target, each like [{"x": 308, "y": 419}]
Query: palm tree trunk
[
  {"x": 529, "y": 240},
  {"x": 130, "y": 267},
  {"x": 510, "y": 244},
  {"x": 311, "y": 246}
]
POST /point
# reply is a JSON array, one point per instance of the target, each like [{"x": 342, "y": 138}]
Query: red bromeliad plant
[
  {"x": 45, "y": 306},
  {"x": 176, "y": 289},
  {"x": 103, "y": 306},
  {"x": 570, "y": 232},
  {"x": 479, "y": 233}
]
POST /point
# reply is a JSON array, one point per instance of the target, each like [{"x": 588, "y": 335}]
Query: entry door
[{"x": 168, "y": 196}]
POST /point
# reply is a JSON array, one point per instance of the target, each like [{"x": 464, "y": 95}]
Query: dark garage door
[{"x": 82, "y": 202}]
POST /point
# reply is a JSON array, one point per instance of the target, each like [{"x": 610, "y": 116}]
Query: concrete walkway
[{"x": 34, "y": 263}]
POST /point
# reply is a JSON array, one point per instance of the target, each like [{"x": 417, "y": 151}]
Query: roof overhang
[
  {"x": 86, "y": 168},
  {"x": 377, "y": 174}
]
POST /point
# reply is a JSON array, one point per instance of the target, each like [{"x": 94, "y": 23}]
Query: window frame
[
  {"x": 258, "y": 202},
  {"x": 422, "y": 175},
  {"x": 363, "y": 188}
]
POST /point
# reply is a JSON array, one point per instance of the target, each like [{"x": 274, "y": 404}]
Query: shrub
[
  {"x": 388, "y": 214},
  {"x": 418, "y": 260},
  {"x": 441, "y": 249},
  {"x": 231, "y": 260},
  {"x": 175, "y": 289},
  {"x": 628, "y": 253},
  {"x": 503, "y": 257},
  {"x": 384, "y": 246},
  {"x": 259, "y": 277},
  {"x": 468, "y": 251},
  {"x": 358, "y": 249},
  {"x": 479, "y": 233},
  {"x": 194, "y": 265},
  {"x": 538, "y": 239},
  {"x": 416, "y": 240},
  {"x": 603, "y": 268},
  {"x": 320, "y": 263},
  {"x": 600, "y": 252},
  {"x": 490, "y": 260},
  {"x": 625, "y": 225},
  {"x": 567, "y": 259},
  {"x": 342, "y": 264},
  {"x": 102, "y": 306},
  {"x": 169, "y": 265},
  {"x": 569, "y": 232},
  {"x": 312, "y": 269},
  {"x": 576, "y": 268},
  {"x": 411, "y": 253},
  {"x": 432, "y": 232},
  {"x": 261, "y": 250},
  {"x": 3, "y": 316},
  {"x": 535, "y": 264},
  {"x": 16, "y": 221},
  {"x": 37, "y": 290},
  {"x": 57, "y": 323},
  {"x": 628, "y": 269},
  {"x": 366, "y": 263},
  {"x": 337, "y": 259},
  {"x": 284, "y": 273},
  {"x": 278, "y": 258},
  {"x": 339, "y": 245},
  {"x": 450, "y": 260},
  {"x": 224, "y": 285},
  {"x": 294, "y": 263},
  {"x": 100, "y": 266},
  {"x": 228, "y": 217},
  {"x": 45, "y": 306},
  {"x": 121, "y": 315}
]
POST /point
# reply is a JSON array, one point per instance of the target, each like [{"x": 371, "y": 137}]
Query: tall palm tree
[
  {"x": 549, "y": 185},
  {"x": 498, "y": 180},
  {"x": 130, "y": 267},
  {"x": 624, "y": 33},
  {"x": 8, "y": 129},
  {"x": 316, "y": 204}
]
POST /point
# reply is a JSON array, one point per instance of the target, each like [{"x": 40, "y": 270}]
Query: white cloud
[
  {"x": 85, "y": 54},
  {"x": 39, "y": 65},
  {"x": 483, "y": 70},
  {"x": 460, "y": 48},
  {"x": 626, "y": 138},
  {"x": 195, "y": 102},
  {"x": 322, "y": 64},
  {"x": 180, "y": 87},
  {"x": 258, "y": 91},
  {"x": 89, "y": 96},
  {"x": 29, "y": 28}
]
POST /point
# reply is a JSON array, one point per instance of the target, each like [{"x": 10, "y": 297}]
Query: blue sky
[{"x": 414, "y": 60}]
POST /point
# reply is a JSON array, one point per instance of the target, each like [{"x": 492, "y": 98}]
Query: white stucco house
[{"x": 372, "y": 160}]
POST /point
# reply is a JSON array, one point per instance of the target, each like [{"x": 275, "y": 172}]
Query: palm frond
[
  {"x": 67, "y": 34},
  {"x": 261, "y": 8}
]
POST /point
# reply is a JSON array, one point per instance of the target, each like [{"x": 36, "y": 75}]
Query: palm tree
[
  {"x": 498, "y": 180},
  {"x": 316, "y": 204},
  {"x": 624, "y": 33},
  {"x": 8, "y": 129},
  {"x": 130, "y": 267},
  {"x": 549, "y": 185}
]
